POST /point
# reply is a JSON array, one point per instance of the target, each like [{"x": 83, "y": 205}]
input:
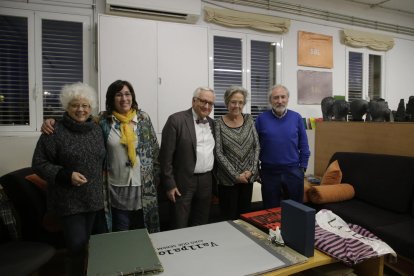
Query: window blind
[
  {"x": 355, "y": 76},
  {"x": 263, "y": 74},
  {"x": 62, "y": 57},
  {"x": 14, "y": 73},
  {"x": 237, "y": 19},
  {"x": 374, "y": 77},
  {"x": 227, "y": 69}
]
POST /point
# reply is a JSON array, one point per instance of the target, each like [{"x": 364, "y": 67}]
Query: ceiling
[{"x": 405, "y": 6}]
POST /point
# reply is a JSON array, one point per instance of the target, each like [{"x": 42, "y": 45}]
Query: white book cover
[{"x": 214, "y": 249}]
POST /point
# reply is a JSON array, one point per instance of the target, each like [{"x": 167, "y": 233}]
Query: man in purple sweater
[{"x": 284, "y": 150}]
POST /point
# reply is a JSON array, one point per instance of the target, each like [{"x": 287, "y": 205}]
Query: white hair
[
  {"x": 200, "y": 89},
  {"x": 78, "y": 90},
  {"x": 277, "y": 86}
]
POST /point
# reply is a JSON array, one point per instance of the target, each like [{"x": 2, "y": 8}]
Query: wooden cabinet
[{"x": 368, "y": 137}]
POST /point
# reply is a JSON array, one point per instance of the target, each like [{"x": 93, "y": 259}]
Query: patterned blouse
[
  {"x": 147, "y": 151},
  {"x": 237, "y": 150}
]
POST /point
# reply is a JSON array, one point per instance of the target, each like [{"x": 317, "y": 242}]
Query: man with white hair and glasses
[{"x": 187, "y": 160}]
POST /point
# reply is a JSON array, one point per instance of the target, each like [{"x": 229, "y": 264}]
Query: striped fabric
[
  {"x": 348, "y": 243},
  {"x": 237, "y": 150}
]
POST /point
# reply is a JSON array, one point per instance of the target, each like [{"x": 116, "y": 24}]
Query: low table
[{"x": 374, "y": 266}]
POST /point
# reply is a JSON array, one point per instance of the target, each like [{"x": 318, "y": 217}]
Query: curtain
[
  {"x": 360, "y": 39},
  {"x": 236, "y": 19}
]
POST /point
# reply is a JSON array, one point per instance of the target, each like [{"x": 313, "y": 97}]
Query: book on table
[
  {"x": 298, "y": 227},
  {"x": 122, "y": 253},
  {"x": 264, "y": 219},
  {"x": 222, "y": 248}
]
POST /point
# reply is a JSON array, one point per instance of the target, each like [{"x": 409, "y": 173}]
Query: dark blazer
[{"x": 178, "y": 150}]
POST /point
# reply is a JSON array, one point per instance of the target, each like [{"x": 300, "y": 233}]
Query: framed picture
[
  {"x": 315, "y": 50},
  {"x": 313, "y": 86}
]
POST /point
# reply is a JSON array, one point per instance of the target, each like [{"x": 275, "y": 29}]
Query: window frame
[
  {"x": 246, "y": 39},
  {"x": 35, "y": 64},
  {"x": 365, "y": 71}
]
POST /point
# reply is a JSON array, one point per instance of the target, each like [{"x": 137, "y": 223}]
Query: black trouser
[
  {"x": 235, "y": 200},
  {"x": 193, "y": 207},
  {"x": 77, "y": 230}
]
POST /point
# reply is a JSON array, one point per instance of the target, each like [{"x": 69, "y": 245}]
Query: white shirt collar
[{"x": 281, "y": 116}]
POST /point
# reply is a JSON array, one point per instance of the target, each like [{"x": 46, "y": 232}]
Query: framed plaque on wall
[
  {"x": 315, "y": 50},
  {"x": 313, "y": 86}
]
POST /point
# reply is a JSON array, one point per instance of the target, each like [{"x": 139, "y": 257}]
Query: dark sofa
[
  {"x": 384, "y": 197},
  {"x": 28, "y": 204}
]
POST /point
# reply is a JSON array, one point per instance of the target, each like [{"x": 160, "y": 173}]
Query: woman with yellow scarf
[{"x": 131, "y": 163}]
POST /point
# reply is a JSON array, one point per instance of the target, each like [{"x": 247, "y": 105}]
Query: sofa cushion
[
  {"x": 387, "y": 181},
  {"x": 332, "y": 175},
  {"x": 365, "y": 214},
  {"x": 399, "y": 236},
  {"x": 37, "y": 180},
  {"x": 319, "y": 194}
]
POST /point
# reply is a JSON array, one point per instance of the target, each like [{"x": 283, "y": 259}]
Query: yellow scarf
[{"x": 128, "y": 136}]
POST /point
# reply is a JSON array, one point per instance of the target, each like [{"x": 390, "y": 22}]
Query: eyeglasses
[
  {"x": 239, "y": 103},
  {"x": 78, "y": 106},
  {"x": 204, "y": 102},
  {"x": 120, "y": 95}
]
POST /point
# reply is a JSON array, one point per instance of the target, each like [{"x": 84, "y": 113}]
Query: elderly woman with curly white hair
[{"x": 71, "y": 162}]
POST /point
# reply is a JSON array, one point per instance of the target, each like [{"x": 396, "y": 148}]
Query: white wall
[{"x": 16, "y": 151}]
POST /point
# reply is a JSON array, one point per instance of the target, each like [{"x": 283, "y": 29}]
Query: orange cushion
[
  {"x": 306, "y": 187},
  {"x": 331, "y": 193},
  {"x": 333, "y": 174},
  {"x": 38, "y": 181}
]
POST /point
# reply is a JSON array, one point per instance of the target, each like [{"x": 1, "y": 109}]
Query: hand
[
  {"x": 242, "y": 179},
  {"x": 171, "y": 194},
  {"x": 248, "y": 174},
  {"x": 78, "y": 179},
  {"x": 47, "y": 126}
]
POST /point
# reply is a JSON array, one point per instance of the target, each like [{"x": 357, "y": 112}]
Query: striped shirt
[
  {"x": 347, "y": 242},
  {"x": 237, "y": 150}
]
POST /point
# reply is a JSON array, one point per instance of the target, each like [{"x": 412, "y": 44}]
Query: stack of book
[{"x": 310, "y": 123}]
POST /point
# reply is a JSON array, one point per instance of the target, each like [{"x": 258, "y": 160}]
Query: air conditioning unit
[{"x": 187, "y": 11}]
